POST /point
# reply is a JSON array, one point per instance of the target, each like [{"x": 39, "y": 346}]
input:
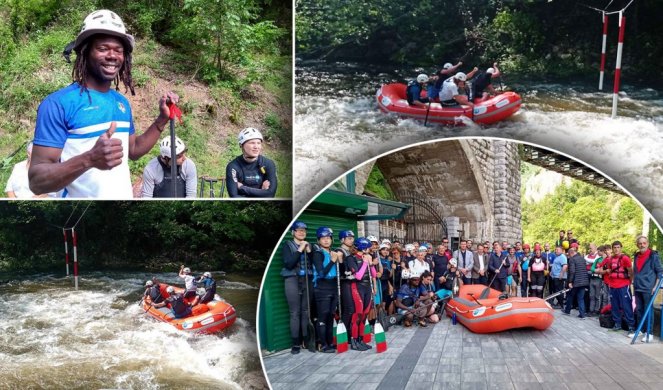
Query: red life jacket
[{"x": 617, "y": 269}]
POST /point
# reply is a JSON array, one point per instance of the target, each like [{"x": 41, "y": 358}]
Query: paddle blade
[
  {"x": 310, "y": 338},
  {"x": 367, "y": 332},
  {"x": 341, "y": 338},
  {"x": 380, "y": 339}
]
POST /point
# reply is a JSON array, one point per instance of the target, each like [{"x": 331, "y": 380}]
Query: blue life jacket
[{"x": 325, "y": 263}]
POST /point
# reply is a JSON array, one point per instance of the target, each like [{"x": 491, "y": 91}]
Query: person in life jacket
[
  {"x": 451, "y": 279},
  {"x": 152, "y": 290},
  {"x": 176, "y": 302},
  {"x": 209, "y": 284},
  {"x": 297, "y": 269},
  {"x": 189, "y": 282},
  {"x": 619, "y": 270},
  {"x": 482, "y": 84},
  {"x": 536, "y": 273},
  {"x": 325, "y": 288},
  {"x": 523, "y": 259},
  {"x": 450, "y": 95},
  {"x": 251, "y": 175},
  {"x": 414, "y": 90},
  {"x": 359, "y": 270},
  {"x": 157, "y": 181},
  {"x": 435, "y": 82}
]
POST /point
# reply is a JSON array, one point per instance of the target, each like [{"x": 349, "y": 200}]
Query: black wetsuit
[
  {"x": 164, "y": 189},
  {"x": 251, "y": 175},
  {"x": 360, "y": 293},
  {"x": 326, "y": 296},
  {"x": 294, "y": 263}
]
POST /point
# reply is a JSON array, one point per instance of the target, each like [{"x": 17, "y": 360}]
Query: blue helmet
[
  {"x": 324, "y": 231},
  {"x": 298, "y": 225},
  {"x": 345, "y": 233},
  {"x": 362, "y": 243}
]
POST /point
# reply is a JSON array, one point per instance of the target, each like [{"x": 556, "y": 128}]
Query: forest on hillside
[
  {"x": 230, "y": 61},
  {"x": 155, "y": 236},
  {"x": 537, "y": 37}
]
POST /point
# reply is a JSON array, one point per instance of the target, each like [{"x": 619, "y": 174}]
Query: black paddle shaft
[{"x": 173, "y": 160}]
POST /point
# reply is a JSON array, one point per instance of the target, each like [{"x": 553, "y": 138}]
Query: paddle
[
  {"x": 556, "y": 294},
  {"x": 310, "y": 339},
  {"x": 427, "y": 112},
  {"x": 341, "y": 332}
]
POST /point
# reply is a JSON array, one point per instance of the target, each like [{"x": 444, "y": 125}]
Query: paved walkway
[{"x": 571, "y": 354}]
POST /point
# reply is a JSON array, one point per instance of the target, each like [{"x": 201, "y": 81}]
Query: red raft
[
  {"x": 210, "y": 317},
  {"x": 492, "y": 314},
  {"x": 392, "y": 99}
]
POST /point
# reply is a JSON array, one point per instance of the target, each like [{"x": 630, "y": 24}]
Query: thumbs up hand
[{"x": 107, "y": 151}]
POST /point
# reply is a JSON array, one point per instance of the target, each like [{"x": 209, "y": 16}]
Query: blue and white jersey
[{"x": 67, "y": 120}]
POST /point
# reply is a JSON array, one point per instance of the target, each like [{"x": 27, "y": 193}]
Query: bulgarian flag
[
  {"x": 334, "y": 332},
  {"x": 341, "y": 338},
  {"x": 367, "y": 332},
  {"x": 380, "y": 339}
]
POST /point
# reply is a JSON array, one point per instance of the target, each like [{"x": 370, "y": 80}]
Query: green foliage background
[
  {"x": 558, "y": 38},
  {"x": 240, "y": 50},
  {"x": 153, "y": 235}
]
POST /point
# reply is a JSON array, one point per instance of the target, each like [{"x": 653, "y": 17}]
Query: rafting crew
[{"x": 450, "y": 95}]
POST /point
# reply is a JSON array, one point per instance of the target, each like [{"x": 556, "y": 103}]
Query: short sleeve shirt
[
  {"x": 449, "y": 90},
  {"x": 72, "y": 121}
]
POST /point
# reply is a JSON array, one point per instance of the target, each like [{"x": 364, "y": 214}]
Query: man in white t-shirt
[
  {"x": 419, "y": 265},
  {"x": 450, "y": 95},
  {"x": 189, "y": 282}
]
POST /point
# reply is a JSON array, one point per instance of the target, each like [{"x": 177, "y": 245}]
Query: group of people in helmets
[
  {"x": 349, "y": 281},
  {"x": 447, "y": 88},
  {"x": 181, "y": 303},
  {"x": 84, "y": 133}
]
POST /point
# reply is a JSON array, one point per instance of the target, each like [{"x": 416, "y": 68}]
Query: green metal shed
[{"x": 337, "y": 210}]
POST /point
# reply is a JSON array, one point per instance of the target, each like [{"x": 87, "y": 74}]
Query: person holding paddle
[
  {"x": 84, "y": 133},
  {"x": 324, "y": 288}
]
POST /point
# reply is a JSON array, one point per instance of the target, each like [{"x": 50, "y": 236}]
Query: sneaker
[
  {"x": 581, "y": 317},
  {"x": 407, "y": 323},
  {"x": 295, "y": 349},
  {"x": 566, "y": 313},
  {"x": 367, "y": 346},
  {"x": 630, "y": 334},
  {"x": 616, "y": 329},
  {"x": 328, "y": 349},
  {"x": 423, "y": 324},
  {"x": 354, "y": 344},
  {"x": 647, "y": 338}
]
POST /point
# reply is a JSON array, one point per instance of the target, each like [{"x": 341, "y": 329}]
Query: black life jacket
[
  {"x": 344, "y": 273},
  {"x": 177, "y": 305},
  {"x": 155, "y": 294},
  {"x": 163, "y": 189},
  {"x": 409, "y": 93},
  {"x": 303, "y": 263},
  {"x": 366, "y": 278},
  {"x": 617, "y": 270}
]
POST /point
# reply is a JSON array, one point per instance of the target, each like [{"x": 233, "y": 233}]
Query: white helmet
[
  {"x": 384, "y": 245},
  {"x": 386, "y": 241},
  {"x": 248, "y": 134},
  {"x": 405, "y": 274},
  {"x": 207, "y": 275},
  {"x": 447, "y": 65},
  {"x": 164, "y": 146},
  {"x": 372, "y": 239},
  {"x": 423, "y": 248},
  {"x": 104, "y": 22},
  {"x": 422, "y": 78},
  {"x": 414, "y": 274},
  {"x": 186, "y": 270},
  {"x": 149, "y": 283},
  {"x": 490, "y": 70},
  {"x": 460, "y": 76},
  {"x": 409, "y": 247},
  {"x": 453, "y": 262},
  {"x": 170, "y": 289}
]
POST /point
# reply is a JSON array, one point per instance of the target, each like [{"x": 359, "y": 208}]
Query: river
[
  {"x": 52, "y": 336},
  {"x": 338, "y": 125}
]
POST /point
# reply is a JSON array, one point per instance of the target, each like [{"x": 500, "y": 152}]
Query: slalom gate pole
[
  {"x": 66, "y": 250},
  {"x": 618, "y": 65},
  {"x": 605, "y": 36},
  {"x": 73, "y": 235}
]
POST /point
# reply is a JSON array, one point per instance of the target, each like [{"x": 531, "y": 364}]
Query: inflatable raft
[
  {"x": 492, "y": 314},
  {"x": 392, "y": 99},
  {"x": 210, "y": 317}
]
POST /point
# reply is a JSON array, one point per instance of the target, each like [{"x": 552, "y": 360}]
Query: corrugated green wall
[{"x": 274, "y": 329}]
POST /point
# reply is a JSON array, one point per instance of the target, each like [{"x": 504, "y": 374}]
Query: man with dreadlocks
[{"x": 85, "y": 132}]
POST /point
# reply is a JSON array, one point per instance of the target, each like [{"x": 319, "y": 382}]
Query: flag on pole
[
  {"x": 380, "y": 339},
  {"x": 334, "y": 332},
  {"x": 341, "y": 336},
  {"x": 367, "y": 332}
]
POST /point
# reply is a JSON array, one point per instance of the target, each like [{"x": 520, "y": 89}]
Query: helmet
[
  {"x": 405, "y": 274},
  {"x": 186, "y": 270},
  {"x": 453, "y": 262},
  {"x": 565, "y": 244},
  {"x": 460, "y": 76},
  {"x": 164, "y": 146},
  {"x": 386, "y": 241},
  {"x": 324, "y": 231},
  {"x": 384, "y": 246},
  {"x": 104, "y": 22},
  {"x": 409, "y": 247},
  {"x": 149, "y": 283},
  {"x": 447, "y": 65},
  {"x": 490, "y": 70},
  {"x": 414, "y": 274},
  {"x": 298, "y": 225},
  {"x": 372, "y": 239},
  {"x": 249, "y": 133},
  {"x": 423, "y": 248},
  {"x": 362, "y": 243},
  {"x": 170, "y": 289},
  {"x": 526, "y": 246},
  {"x": 207, "y": 275},
  {"x": 422, "y": 78},
  {"x": 345, "y": 234}
]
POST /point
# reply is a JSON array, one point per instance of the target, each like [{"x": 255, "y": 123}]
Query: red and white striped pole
[
  {"x": 66, "y": 250},
  {"x": 618, "y": 66},
  {"x": 73, "y": 236},
  {"x": 605, "y": 37}
]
